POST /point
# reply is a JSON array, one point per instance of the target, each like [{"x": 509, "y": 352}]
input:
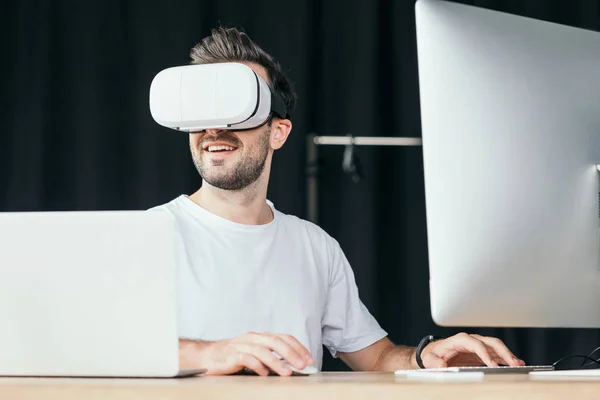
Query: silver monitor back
[{"x": 510, "y": 111}]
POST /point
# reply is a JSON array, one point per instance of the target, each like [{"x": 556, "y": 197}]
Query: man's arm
[
  {"x": 460, "y": 349},
  {"x": 382, "y": 355},
  {"x": 191, "y": 352}
]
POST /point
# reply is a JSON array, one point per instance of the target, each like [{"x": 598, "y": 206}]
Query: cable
[
  {"x": 591, "y": 363},
  {"x": 584, "y": 364},
  {"x": 590, "y": 359}
]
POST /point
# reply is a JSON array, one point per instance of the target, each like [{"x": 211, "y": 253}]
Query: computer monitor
[{"x": 510, "y": 110}]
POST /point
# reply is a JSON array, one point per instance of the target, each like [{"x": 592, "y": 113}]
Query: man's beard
[{"x": 246, "y": 171}]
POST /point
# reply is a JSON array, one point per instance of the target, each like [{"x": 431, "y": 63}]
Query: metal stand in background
[{"x": 312, "y": 161}]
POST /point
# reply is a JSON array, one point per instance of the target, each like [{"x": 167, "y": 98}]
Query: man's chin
[
  {"x": 224, "y": 185},
  {"x": 221, "y": 181},
  {"x": 217, "y": 172}
]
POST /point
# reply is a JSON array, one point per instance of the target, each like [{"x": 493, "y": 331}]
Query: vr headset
[{"x": 228, "y": 96}]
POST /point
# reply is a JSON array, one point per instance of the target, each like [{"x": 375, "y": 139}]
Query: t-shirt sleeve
[{"x": 347, "y": 324}]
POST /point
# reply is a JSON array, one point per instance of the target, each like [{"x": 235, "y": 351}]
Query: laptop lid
[{"x": 88, "y": 294}]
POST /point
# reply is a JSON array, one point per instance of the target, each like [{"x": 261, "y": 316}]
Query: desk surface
[{"x": 347, "y": 385}]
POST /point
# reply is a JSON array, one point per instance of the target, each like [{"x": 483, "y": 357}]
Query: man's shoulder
[
  {"x": 312, "y": 229},
  {"x": 170, "y": 206}
]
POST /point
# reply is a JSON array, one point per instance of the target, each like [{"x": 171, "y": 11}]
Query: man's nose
[{"x": 214, "y": 131}]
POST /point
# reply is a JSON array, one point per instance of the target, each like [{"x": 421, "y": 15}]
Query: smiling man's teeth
[{"x": 220, "y": 148}]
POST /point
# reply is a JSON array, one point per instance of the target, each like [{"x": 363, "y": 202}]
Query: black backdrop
[{"x": 76, "y": 133}]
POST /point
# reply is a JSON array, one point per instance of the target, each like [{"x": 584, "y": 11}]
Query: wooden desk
[{"x": 350, "y": 385}]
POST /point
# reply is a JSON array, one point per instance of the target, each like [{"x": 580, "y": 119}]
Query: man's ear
[{"x": 280, "y": 130}]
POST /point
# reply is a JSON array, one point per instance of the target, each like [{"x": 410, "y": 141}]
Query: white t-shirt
[{"x": 287, "y": 277}]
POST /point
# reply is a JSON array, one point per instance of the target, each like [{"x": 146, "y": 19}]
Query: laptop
[{"x": 88, "y": 294}]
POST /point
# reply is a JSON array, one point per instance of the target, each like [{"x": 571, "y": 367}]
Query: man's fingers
[
  {"x": 476, "y": 346},
  {"x": 285, "y": 351},
  {"x": 281, "y": 347},
  {"x": 252, "y": 363},
  {"x": 266, "y": 357},
  {"x": 496, "y": 357},
  {"x": 500, "y": 349},
  {"x": 476, "y": 361},
  {"x": 300, "y": 349}
]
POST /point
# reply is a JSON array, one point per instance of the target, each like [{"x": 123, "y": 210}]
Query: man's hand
[
  {"x": 252, "y": 350},
  {"x": 468, "y": 350}
]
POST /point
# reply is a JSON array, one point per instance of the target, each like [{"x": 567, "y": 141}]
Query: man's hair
[{"x": 233, "y": 45}]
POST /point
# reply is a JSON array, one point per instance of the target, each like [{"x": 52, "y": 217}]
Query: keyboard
[{"x": 486, "y": 370}]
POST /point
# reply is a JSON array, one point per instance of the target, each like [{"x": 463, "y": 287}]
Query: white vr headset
[{"x": 229, "y": 96}]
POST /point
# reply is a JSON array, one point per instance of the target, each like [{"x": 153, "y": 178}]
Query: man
[{"x": 255, "y": 283}]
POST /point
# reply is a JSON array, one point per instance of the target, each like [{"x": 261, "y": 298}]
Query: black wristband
[{"x": 424, "y": 342}]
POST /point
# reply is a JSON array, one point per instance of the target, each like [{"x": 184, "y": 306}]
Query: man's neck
[{"x": 247, "y": 206}]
